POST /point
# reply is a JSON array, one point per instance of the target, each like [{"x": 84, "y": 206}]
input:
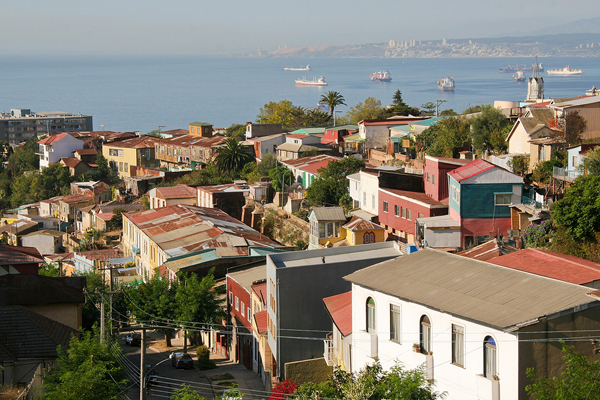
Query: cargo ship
[
  {"x": 566, "y": 71},
  {"x": 315, "y": 82},
  {"x": 446, "y": 84},
  {"x": 307, "y": 68},
  {"x": 519, "y": 76},
  {"x": 381, "y": 76}
]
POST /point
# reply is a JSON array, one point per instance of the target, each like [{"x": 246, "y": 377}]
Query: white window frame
[
  {"x": 237, "y": 303},
  {"x": 371, "y": 316},
  {"x": 490, "y": 357},
  {"x": 498, "y": 196},
  {"x": 395, "y": 323},
  {"x": 458, "y": 345}
]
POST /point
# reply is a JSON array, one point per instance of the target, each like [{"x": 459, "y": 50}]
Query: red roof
[
  {"x": 261, "y": 321},
  {"x": 19, "y": 255},
  {"x": 70, "y": 162},
  {"x": 471, "y": 169},
  {"x": 311, "y": 164},
  {"x": 51, "y": 139},
  {"x": 296, "y": 136},
  {"x": 340, "y": 310},
  {"x": 86, "y": 152},
  {"x": 553, "y": 265},
  {"x": 176, "y": 192},
  {"x": 261, "y": 291},
  {"x": 359, "y": 224},
  {"x": 417, "y": 196},
  {"x": 141, "y": 142}
]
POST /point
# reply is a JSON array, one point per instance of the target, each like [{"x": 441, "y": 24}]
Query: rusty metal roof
[
  {"x": 339, "y": 308},
  {"x": 176, "y": 192},
  {"x": 359, "y": 224},
  {"x": 497, "y": 296}
]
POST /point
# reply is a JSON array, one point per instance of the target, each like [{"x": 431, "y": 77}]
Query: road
[{"x": 169, "y": 378}]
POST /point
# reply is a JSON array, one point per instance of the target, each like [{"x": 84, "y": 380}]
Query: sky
[{"x": 202, "y": 27}]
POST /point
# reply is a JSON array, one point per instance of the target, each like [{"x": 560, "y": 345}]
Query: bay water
[{"x": 141, "y": 93}]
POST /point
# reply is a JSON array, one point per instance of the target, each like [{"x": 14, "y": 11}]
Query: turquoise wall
[{"x": 477, "y": 200}]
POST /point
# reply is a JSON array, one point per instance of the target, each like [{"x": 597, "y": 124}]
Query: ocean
[{"x": 141, "y": 93}]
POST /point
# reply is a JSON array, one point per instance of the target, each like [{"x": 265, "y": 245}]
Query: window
[
  {"x": 243, "y": 309},
  {"x": 365, "y": 198},
  {"x": 373, "y": 201},
  {"x": 433, "y": 179},
  {"x": 397, "y": 210},
  {"x": 148, "y": 154},
  {"x": 248, "y": 313},
  {"x": 428, "y": 177},
  {"x": 385, "y": 206},
  {"x": 369, "y": 238},
  {"x": 237, "y": 303},
  {"x": 421, "y": 215},
  {"x": 371, "y": 315},
  {"x": 126, "y": 168},
  {"x": 503, "y": 199},
  {"x": 409, "y": 214},
  {"x": 403, "y": 212},
  {"x": 395, "y": 323},
  {"x": 455, "y": 193},
  {"x": 120, "y": 166},
  {"x": 458, "y": 345},
  {"x": 489, "y": 357},
  {"x": 425, "y": 335}
]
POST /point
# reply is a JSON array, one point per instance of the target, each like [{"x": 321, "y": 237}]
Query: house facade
[
  {"x": 306, "y": 169},
  {"x": 55, "y": 147},
  {"x": 124, "y": 154},
  {"x": 325, "y": 226},
  {"x": 172, "y": 195},
  {"x": 474, "y": 343}
]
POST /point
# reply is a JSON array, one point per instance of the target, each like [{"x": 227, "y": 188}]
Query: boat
[
  {"x": 508, "y": 69},
  {"x": 381, "y": 76},
  {"x": 307, "y": 68},
  {"x": 519, "y": 76},
  {"x": 315, "y": 82},
  {"x": 446, "y": 84},
  {"x": 566, "y": 71},
  {"x": 527, "y": 69}
]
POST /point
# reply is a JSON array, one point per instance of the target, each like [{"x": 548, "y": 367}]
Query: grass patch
[
  {"x": 221, "y": 377},
  {"x": 225, "y": 385}
]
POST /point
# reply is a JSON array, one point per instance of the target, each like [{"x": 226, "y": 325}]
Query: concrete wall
[{"x": 314, "y": 370}]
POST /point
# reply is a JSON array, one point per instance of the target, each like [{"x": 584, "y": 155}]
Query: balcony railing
[
  {"x": 565, "y": 174},
  {"x": 329, "y": 352}
]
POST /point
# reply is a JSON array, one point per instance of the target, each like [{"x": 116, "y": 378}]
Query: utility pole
[
  {"x": 102, "y": 314},
  {"x": 437, "y": 104},
  {"x": 143, "y": 366}
]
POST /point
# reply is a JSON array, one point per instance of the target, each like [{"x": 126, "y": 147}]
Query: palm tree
[
  {"x": 332, "y": 99},
  {"x": 232, "y": 157}
]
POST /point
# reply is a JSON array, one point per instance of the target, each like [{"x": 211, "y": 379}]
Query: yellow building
[
  {"x": 325, "y": 226},
  {"x": 360, "y": 231},
  {"x": 122, "y": 155}
]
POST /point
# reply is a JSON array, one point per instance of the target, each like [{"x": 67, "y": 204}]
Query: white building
[
  {"x": 55, "y": 147},
  {"x": 477, "y": 327}
]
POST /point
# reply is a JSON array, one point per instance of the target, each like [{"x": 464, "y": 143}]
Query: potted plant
[
  {"x": 417, "y": 348},
  {"x": 496, "y": 377}
]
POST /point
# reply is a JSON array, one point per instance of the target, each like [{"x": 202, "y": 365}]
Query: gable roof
[
  {"x": 27, "y": 334},
  {"x": 33, "y": 289},
  {"x": 339, "y": 308},
  {"x": 246, "y": 277},
  {"x": 471, "y": 169},
  {"x": 261, "y": 321},
  {"x": 141, "y": 142},
  {"x": 492, "y": 295},
  {"x": 70, "y": 162},
  {"x": 328, "y": 214},
  {"x": 488, "y": 250},
  {"x": 310, "y": 164},
  {"x": 53, "y": 138},
  {"x": 19, "y": 255},
  {"x": 359, "y": 224},
  {"x": 553, "y": 265},
  {"x": 176, "y": 192}
]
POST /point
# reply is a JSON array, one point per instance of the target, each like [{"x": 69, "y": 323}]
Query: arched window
[
  {"x": 489, "y": 357},
  {"x": 372, "y": 237},
  {"x": 367, "y": 238},
  {"x": 371, "y": 326},
  {"x": 425, "y": 335}
]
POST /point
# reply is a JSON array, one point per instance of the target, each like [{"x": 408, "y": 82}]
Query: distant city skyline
[{"x": 234, "y": 26}]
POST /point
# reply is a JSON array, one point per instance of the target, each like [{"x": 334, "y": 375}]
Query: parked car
[
  {"x": 133, "y": 339},
  {"x": 182, "y": 360}
]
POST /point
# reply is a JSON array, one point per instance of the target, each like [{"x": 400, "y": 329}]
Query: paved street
[{"x": 170, "y": 378}]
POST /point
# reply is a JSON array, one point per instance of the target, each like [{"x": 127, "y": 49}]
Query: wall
[
  {"x": 315, "y": 370},
  {"x": 44, "y": 243},
  {"x": 478, "y": 200},
  {"x": 461, "y": 383},
  {"x": 389, "y": 218},
  {"x": 370, "y": 189},
  {"x": 67, "y": 314}
]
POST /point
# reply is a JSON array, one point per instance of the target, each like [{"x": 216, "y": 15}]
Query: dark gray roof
[
  {"x": 27, "y": 334},
  {"x": 33, "y": 289},
  {"x": 248, "y": 276},
  {"x": 497, "y": 296}
]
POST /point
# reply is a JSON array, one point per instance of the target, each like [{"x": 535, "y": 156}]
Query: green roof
[
  {"x": 428, "y": 122},
  {"x": 309, "y": 131},
  {"x": 198, "y": 123},
  {"x": 344, "y": 127},
  {"x": 356, "y": 136}
]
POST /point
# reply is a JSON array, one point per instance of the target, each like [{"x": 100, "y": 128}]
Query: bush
[
  {"x": 538, "y": 235},
  {"x": 204, "y": 361},
  {"x": 283, "y": 389}
]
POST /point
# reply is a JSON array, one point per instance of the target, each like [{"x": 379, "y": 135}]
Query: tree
[
  {"x": 104, "y": 172},
  {"x": 92, "y": 240},
  {"x": 49, "y": 269},
  {"x": 448, "y": 113},
  {"x": 276, "y": 113},
  {"x": 155, "y": 299},
  {"x": 24, "y": 159},
  {"x": 399, "y": 107},
  {"x": 331, "y": 185},
  {"x": 591, "y": 162},
  {"x": 232, "y": 157},
  {"x": 519, "y": 165},
  {"x": 579, "y": 210},
  {"x": 116, "y": 221},
  {"x": 332, "y": 100},
  {"x": 282, "y": 178},
  {"x": 579, "y": 381},
  {"x": 443, "y": 138},
  {"x": 185, "y": 393},
  {"x": 428, "y": 108},
  {"x": 268, "y": 162},
  {"x": 370, "y": 109},
  {"x": 198, "y": 302},
  {"x": 87, "y": 370},
  {"x": 490, "y": 123},
  {"x": 54, "y": 180},
  {"x": 236, "y": 130},
  {"x": 575, "y": 125},
  {"x": 154, "y": 133}
]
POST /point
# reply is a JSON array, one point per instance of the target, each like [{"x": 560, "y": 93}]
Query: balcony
[
  {"x": 564, "y": 174},
  {"x": 329, "y": 353}
]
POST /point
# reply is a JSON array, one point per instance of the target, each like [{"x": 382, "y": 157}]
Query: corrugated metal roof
[
  {"x": 261, "y": 321},
  {"x": 340, "y": 310},
  {"x": 246, "y": 277},
  {"x": 471, "y": 169},
  {"x": 488, "y": 250},
  {"x": 493, "y": 295},
  {"x": 359, "y": 224},
  {"x": 329, "y": 213}
]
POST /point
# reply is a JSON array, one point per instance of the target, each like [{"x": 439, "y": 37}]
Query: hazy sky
[{"x": 233, "y": 26}]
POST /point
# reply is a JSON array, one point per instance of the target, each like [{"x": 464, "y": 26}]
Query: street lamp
[{"x": 150, "y": 369}]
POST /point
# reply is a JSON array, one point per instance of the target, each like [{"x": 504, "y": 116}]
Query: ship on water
[
  {"x": 381, "y": 76},
  {"x": 307, "y": 68},
  {"x": 519, "y": 76},
  {"x": 446, "y": 84},
  {"x": 524, "y": 68},
  {"x": 315, "y": 82},
  {"x": 566, "y": 71}
]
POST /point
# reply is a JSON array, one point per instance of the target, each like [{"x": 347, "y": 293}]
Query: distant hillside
[{"x": 576, "y": 27}]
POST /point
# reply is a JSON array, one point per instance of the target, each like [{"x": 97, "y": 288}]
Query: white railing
[
  {"x": 329, "y": 352},
  {"x": 565, "y": 174}
]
